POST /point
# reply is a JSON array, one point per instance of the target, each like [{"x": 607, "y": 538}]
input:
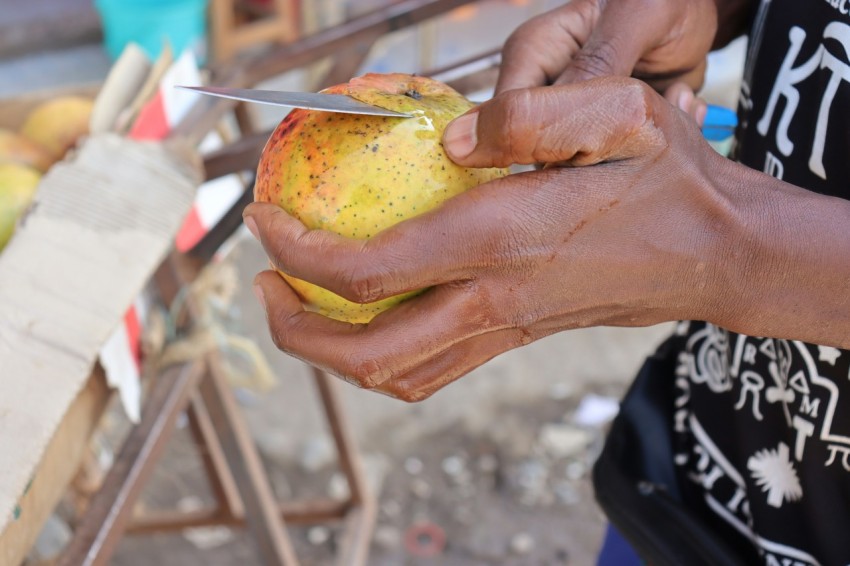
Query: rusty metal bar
[
  {"x": 97, "y": 535},
  {"x": 294, "y": 513},
  {"x": 347, "y": 63},
  {"x": 332, "y": 41},
  {"x": 221, "y": 480},
  {"x": 356, "y": 536},
  {"x": 260, "y": 506},
  {"x": 229, "y": 223},
  {"x": 262, "y": 515},
  {"x": 354, "y": 546},
  {"x": 484, "y": 59},
  {"x": 241, "y": 155},
  {"x": 349, "y": 461},
  {"x": 337, "y": 39}
]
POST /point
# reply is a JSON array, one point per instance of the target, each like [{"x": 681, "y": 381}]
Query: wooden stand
[
  {"x": 229, "y": 34},
  {"x": 238, "y": 480}
]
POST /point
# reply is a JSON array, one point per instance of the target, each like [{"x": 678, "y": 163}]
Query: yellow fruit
[
  {"x": 15, "y": 148},
  {"x": 17, "y": 188},
  {"x": 357, "y": 175},
  {"x": 57, "y": 124}
]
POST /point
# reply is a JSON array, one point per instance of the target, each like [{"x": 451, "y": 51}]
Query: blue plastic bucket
[{"x": 153, "y": 23}]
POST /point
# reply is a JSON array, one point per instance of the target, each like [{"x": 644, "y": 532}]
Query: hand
[
  {"x": 630, "y": 242},
  {"x": 659, "y": 41}
]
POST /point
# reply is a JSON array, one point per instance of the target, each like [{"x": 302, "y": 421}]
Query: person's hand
[
  {"x": 659, "y": 41},
  {"x": 630, "y": 241}
]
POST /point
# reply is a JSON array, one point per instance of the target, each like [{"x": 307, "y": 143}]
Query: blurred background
[{"x": 491, "y": 470}]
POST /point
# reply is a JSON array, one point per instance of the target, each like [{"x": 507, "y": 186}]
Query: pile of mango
[{"x": 47, "y": 134}]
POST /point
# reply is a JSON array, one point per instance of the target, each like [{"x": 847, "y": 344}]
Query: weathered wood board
[{"x": 101, "y": 223}]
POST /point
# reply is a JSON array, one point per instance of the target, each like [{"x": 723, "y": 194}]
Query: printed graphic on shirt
[
  {"x": 774, "y": 472},
  {"x": 765, "y": 373},
  {"x": 786, "y": 412},
  {"x": 726, "y": 495},
  {"x": 799, "y": 120}
]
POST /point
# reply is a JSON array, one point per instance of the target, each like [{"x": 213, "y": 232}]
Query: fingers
[
  {"x": 373, "y": 357},
  {"x": 693, "y": 78},
  {"x": 624, "y": 32},
  {"x": 659, "y": 41},
  {"x": 435, "y": 373},
  {"x": 652, "y": 39},
  {"x": 539, "y": 50},
  {"x": 370, "y": 355},
  {"x": 362, "y": 271},
  {"x": 683, "y": 97},
  {"x": 600, "y": 120},
  {"x": 468, "y": 234}
]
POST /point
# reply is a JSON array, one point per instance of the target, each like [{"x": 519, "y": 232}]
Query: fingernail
[
  {"x": 251, "y": 224},
  {"x": 258, "y": 292},
  {"x": 461, "y": 135},
  {"x": 685, "y": 99}
]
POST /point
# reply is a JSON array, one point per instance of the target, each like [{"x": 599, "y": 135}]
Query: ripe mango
[
  {"x": 17, "y": 188},
  {"x": 357, "y": 175},
  {"x": 57, "y": 124},
  {"x": 15, "y": 148}
]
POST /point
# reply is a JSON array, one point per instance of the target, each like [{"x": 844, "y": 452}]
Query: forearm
[{"x": 783, "y": 264}]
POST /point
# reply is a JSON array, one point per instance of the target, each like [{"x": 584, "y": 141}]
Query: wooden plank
[
  {"x": 100, "y": 225},
  {"x": 99, "y": 532},
  {"x": 60, "y": 462}
]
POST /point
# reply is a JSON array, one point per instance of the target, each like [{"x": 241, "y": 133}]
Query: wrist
[{"x": 780, "y": 264}]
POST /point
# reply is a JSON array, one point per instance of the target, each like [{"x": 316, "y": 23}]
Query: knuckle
[
  {"x": 279, "y": 253},
  {"x": 363, "y": 275},
  {"x": 414, "y": 396},
  {"x": 596, "y": 60},
  {"x": 514, "y": 108},
  {"x": 635, "y": 103},
  {"x": 361, "y": 285},
  {"x": 482, "y": 306},
  {"x": 278, "y": 338},
  {"x": 280, "y": 331},
  {"x": 409, "y": 393},
  {"x": 365, "y": 372},
  {"x": 286, "y": 331}
]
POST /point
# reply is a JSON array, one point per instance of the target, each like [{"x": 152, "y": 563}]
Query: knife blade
[
  {"x": 719, "y": 123},
  {"x": 309, "y": 100}
]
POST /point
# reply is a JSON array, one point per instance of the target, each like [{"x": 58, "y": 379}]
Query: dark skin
[{"x": 634, "y": 220}]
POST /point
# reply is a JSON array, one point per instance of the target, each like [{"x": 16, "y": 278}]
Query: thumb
[
  {"x": 580, "y": 124},
  {"x": 616, "y": 43}
]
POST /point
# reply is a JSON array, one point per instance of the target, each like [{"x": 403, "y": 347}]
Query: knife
[
  {"x": 308, "y": 100},
  {"x": 719, "y": 122}
]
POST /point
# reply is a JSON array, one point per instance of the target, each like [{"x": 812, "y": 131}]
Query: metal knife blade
[{"x": 309, "y": 100}]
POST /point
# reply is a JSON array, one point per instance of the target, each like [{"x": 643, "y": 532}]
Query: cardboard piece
[{"x": 101, "y": 223}]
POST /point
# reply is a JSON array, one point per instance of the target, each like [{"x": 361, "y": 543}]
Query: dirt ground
[{"x": 492, "y": 470}]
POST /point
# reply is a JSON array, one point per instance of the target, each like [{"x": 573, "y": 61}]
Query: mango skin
[
  {"x": 15, "y": 148},
  {"x": 356, "y": 175},
  {"x": 57, "y": 124},
  {"x": 18, "y": 184}
]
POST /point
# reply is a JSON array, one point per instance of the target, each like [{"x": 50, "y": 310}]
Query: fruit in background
[
  {"x": 357, "y": 175},
  {"x": 58, "y": 123},
  {"x": 15, "y": 148},
  {"x": 17, "y": 188}
]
